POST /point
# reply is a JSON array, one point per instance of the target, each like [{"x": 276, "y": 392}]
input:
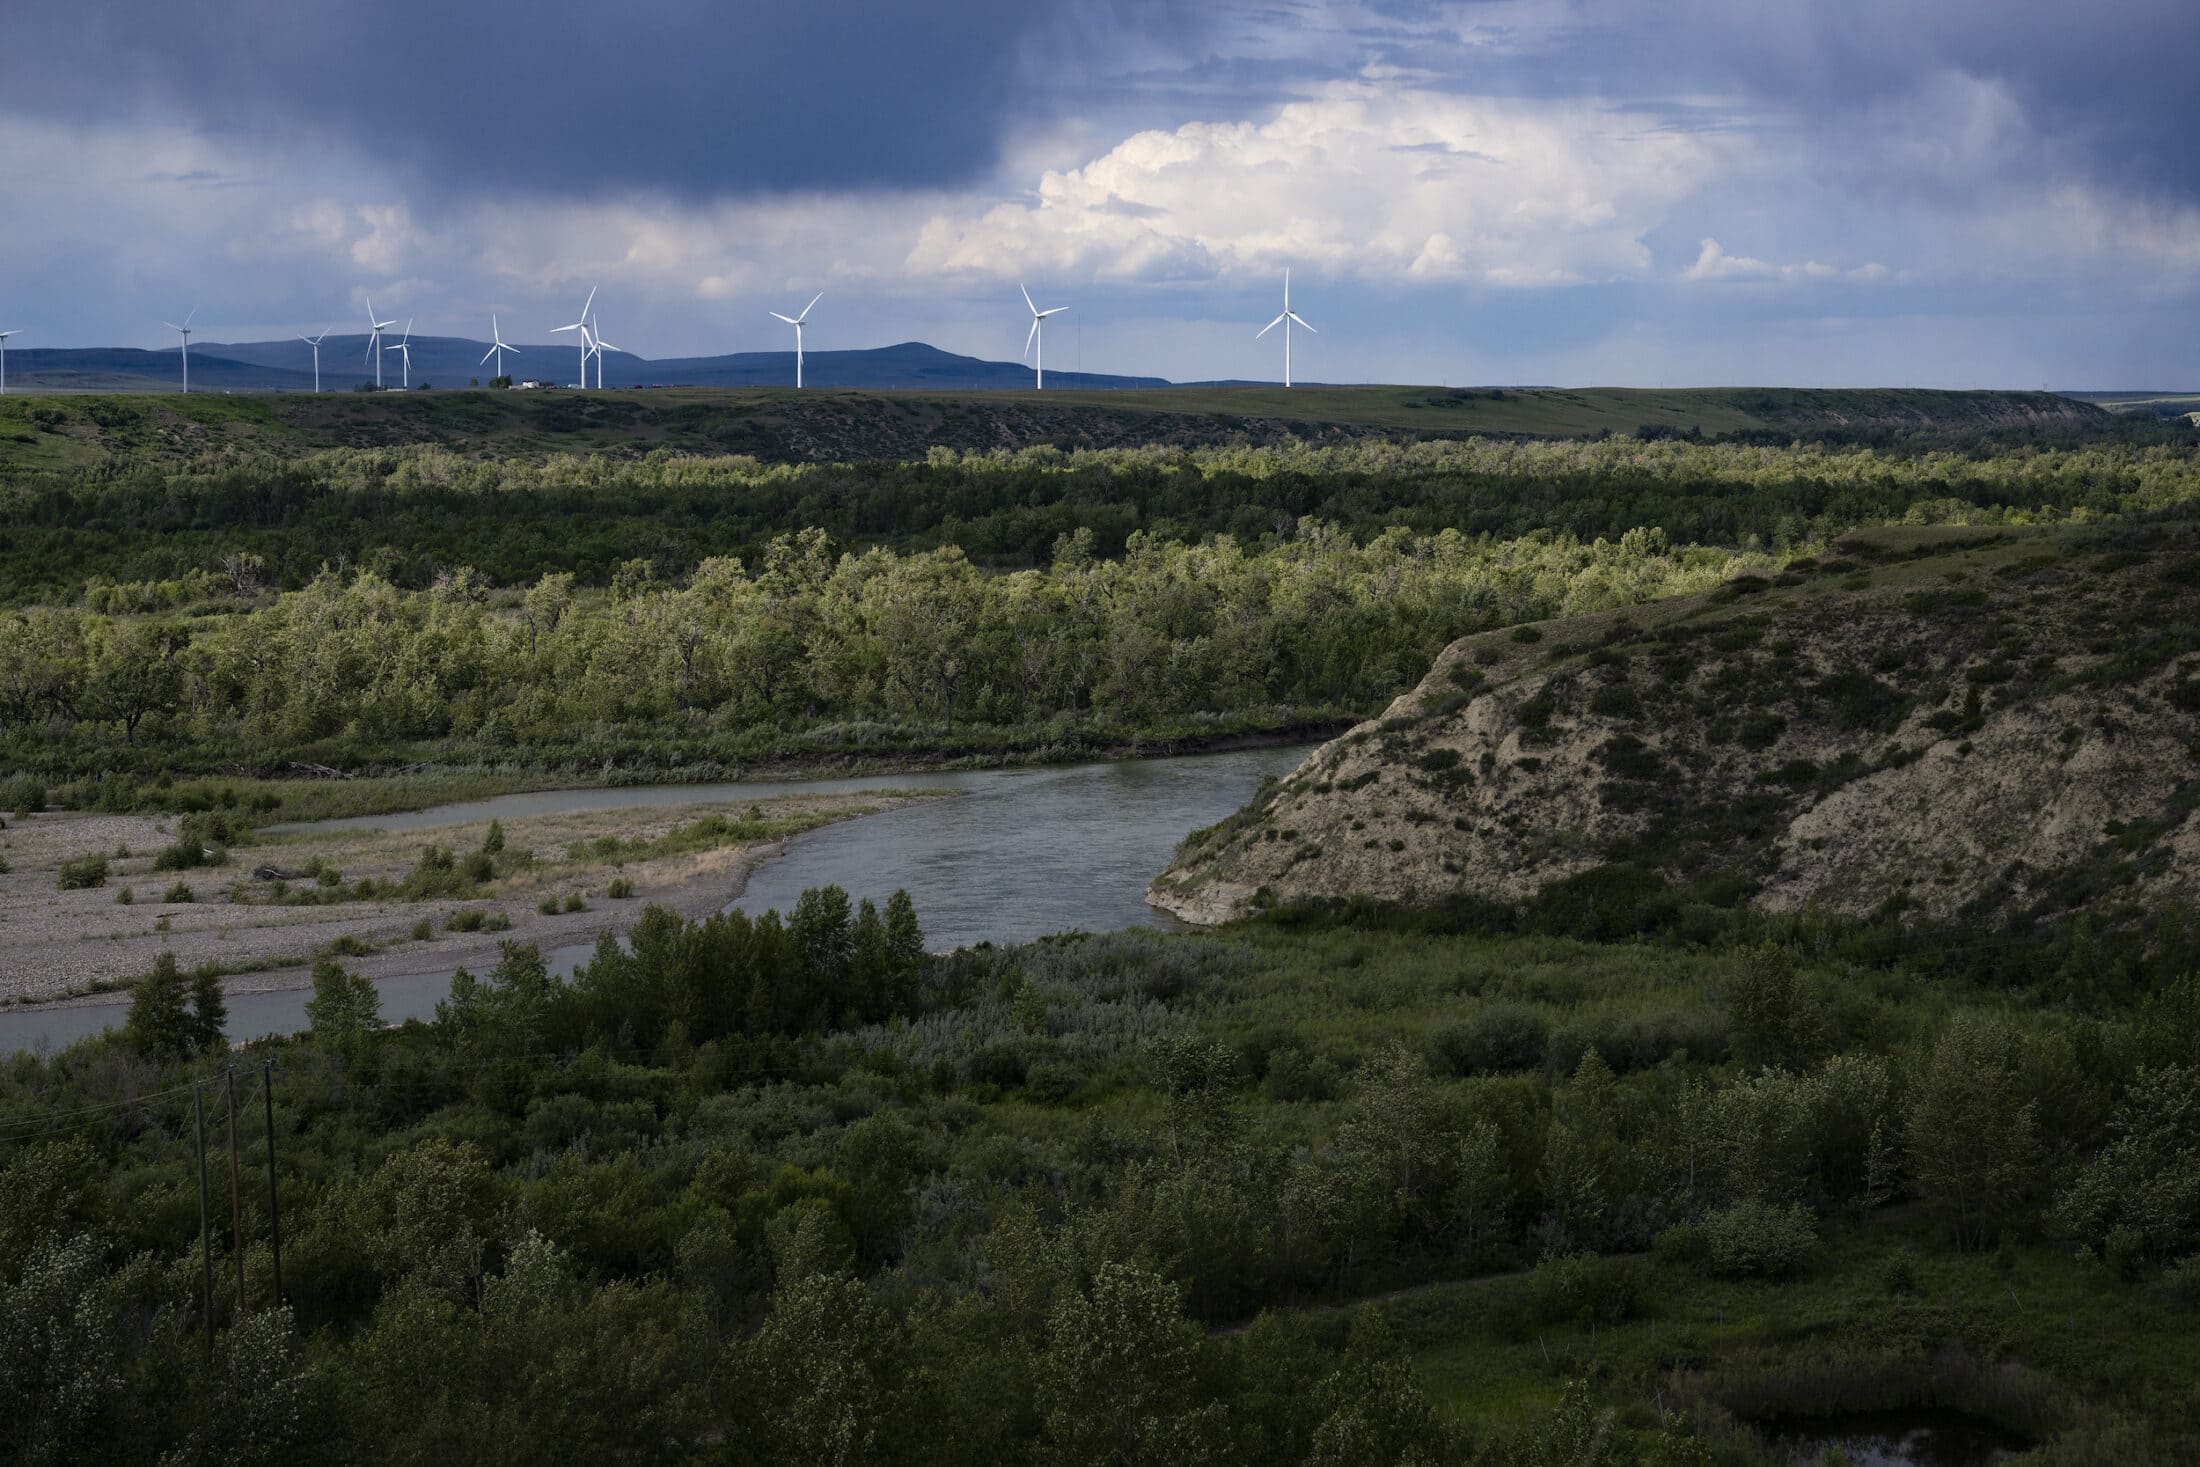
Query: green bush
[
  {"x": 83, "y": 873},
  {"x": 1496, "y": 1039},
  {"x": 180, "y": 892},
  {"x": 24, "y": 794},
  {"x": 1755, "y": 1239},
  {"x": 1587, "y": 1288},
  {"x": 466, "y": 919},
  {"x": 125, "y": 897},
  {"x": 619, "y": 888},
  {"x": 2181, "y": 1281}
]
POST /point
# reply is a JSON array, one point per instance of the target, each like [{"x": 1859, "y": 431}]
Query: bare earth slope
[{"x": 1951, "y": 724}]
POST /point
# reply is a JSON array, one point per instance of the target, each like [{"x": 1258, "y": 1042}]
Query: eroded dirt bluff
[{"x": 1977, "y": 724}]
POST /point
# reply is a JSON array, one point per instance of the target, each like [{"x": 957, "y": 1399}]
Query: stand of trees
[
  {"x": 155, "y": 527},
  {"x": 788, "y": 1190},
  {"x": 804, "y": 649}
]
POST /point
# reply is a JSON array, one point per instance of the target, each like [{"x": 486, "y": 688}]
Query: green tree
[
  {"x": 1115, "y": 1384},
  {"x": 2147, "y": 1179},
  {"x": 259, "y": 1407},
  {"x": 137, "y": 674},
  {"x": 1972, "y": 1135},
  {"x": 61, "y": 1357},
  {"x": 345, "y": 1006},
  {"x": 209, "y": 1009},
  {"x": 1773, "y": 1018},
  {"x": 818, "y": 1379},
  {"x": 160, "y": 1024},
  {"x": 1374, "y": 1413}
]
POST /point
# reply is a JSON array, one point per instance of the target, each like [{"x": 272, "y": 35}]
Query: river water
[{"x": 1017, "y": 854}]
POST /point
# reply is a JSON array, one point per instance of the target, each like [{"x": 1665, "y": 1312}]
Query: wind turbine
[
  {"x": 1039, "y": 335},
  {"x": 1285, "y": 321},
  {"x": 185, "y": 332},
  {"x": 374, "y": 340},
  {"x": 582, "y": 327},
  {"x": 796, "y": 323},
  {"x": 315, "y": 343},
  {"x": 598, "y": 345},
  {"x": 499, "y": 349},
  {"x": 404, "y": 349},
  {"x": 4, "y": 335}
]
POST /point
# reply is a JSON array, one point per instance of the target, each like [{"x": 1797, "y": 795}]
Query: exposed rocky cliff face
[{"x": 1960, "y": 725}]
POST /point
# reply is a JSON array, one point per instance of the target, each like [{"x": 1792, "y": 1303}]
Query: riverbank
[
  {"x": 386, "y": 789},
  {"x": 377, "y": 898}
]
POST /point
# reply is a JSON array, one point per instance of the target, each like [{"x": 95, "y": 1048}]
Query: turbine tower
[
  {"x": 184, "y": 331},
  {"x": 1285, "y": 320},
  {"x": 315, "y": 343},
  {"x": 582, "y": 327},
  {"x": 404, "y": 349},
  {"x": 4, "y": 335},
  {"x": 796, "y": 323},
  {"x": 499, "y": 349},
  {"x": 597, "y": 344},
  {"x": 374, "y": 341},
  {"x": 1039, "y": 335}
]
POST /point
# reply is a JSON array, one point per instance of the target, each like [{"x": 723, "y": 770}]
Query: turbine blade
[
  {"x": 1302, "y": 321},
  {"x": 1272, "y": 325},
  {"x": 1055, "y": 312},
  {"x": 1028, "y": 338},
  {"x": 192, "y": 317},
  {"x": 492, "y": 351},
  {"x": 591, "y": 302},
  {"x": 1027, "y": 301},
  {"x": 791, "y": 321},
  {"x": 813, "y": 301}
]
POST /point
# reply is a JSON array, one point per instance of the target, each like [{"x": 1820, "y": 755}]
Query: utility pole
[
  {"x": 206, "y": 1245},
  {"x": 274, "y": 1208},
  {"x": 236, "y": 1204}
]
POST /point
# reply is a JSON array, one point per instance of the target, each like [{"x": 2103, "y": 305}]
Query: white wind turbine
[
  {"x": 374, "y": 340},
  {"x": 796, "y": 323},
  {"x": 1285, "y": 320},
  {"x": 500, "y": 348},
  {"x": 582, "y": 327},
  {"x": 4, "y": 335},
  {"x": 404, "y": 349},
  {"x": 1039, "y": 335},
  {"x": 315, "y": 343},
  {"x": 597, "y": 344},
  {"x": 185, "y": 332}
]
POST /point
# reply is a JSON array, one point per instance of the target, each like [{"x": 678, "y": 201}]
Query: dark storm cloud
[
  {"x": 556, "y": 96},
  {"x": 2112, "y": 82}
]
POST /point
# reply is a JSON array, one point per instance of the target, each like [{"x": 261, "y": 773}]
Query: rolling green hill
[{"x": 779, "y": 424}]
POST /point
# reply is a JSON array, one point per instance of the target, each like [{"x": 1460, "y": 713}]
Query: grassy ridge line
[{"x": 53, "y": 432}]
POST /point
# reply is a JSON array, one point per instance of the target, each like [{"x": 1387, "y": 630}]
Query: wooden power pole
[
  {"x": 236, "y": 1203},
  {"x": 206, "y": 1243},
  {"x": 274, "y": 1206}
]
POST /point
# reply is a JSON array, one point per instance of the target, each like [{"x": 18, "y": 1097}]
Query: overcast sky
[{"x": 1928, "y": 192}]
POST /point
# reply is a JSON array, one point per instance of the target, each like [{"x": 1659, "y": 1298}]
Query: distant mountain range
[{"x": 452, "y": 361}]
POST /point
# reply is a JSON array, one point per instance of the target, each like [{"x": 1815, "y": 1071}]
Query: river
[{"x": 1018, "y": 853}]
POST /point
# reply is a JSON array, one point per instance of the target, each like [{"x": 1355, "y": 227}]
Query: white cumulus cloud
[{"x": 1362, "y": 179}]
